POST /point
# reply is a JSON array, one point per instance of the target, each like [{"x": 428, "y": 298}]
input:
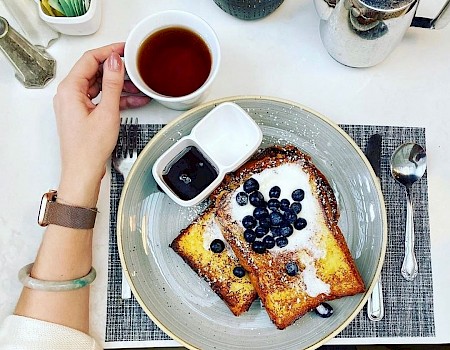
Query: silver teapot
[{"x": 362, "y": 33}]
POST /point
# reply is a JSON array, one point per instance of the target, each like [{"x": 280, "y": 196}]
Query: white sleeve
[{"x": 18, "y": 332}]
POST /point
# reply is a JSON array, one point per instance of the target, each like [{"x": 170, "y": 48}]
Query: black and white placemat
[{"x": 408, "y": 305}]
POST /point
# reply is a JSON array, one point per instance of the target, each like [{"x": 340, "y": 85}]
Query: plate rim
[{"x": 238, "y": 98}]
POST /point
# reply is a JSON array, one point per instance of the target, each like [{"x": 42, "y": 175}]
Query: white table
[{"x": 282, "y": 56}]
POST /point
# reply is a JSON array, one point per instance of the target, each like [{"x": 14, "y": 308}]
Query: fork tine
[
  {"x": 128, "y": 149},
  {"x": 123, "y": 138},
  {"x": 118, "y": 148},
  {"x": 133, "y": 137}
]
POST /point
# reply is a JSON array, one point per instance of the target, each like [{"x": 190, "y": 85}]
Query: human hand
[{"x": 88, "y": 132}]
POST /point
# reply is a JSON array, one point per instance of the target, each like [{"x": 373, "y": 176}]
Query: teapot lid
[{"x": 387, "y": 5}]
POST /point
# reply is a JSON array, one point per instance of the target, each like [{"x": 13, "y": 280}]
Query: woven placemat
[{"x": 408, "y": 305}]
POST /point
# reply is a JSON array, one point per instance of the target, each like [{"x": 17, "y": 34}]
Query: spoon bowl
[{"x": 408, "y": 164}]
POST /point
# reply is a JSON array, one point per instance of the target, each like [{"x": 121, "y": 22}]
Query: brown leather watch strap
[{"x": 69, "y": 216}]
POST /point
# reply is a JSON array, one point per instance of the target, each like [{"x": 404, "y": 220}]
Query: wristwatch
[{"x": 61, "y": 214}]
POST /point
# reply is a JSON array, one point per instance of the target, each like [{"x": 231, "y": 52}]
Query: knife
[{"x": 375, "y": 304}]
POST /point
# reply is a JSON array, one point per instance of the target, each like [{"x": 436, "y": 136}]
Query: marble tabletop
[{"x": 281, "y": 56}]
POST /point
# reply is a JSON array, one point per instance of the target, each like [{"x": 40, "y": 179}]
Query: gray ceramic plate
[{"x": 181, "y": 303}]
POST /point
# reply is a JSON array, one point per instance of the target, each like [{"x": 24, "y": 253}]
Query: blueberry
[
  {"x": 260, "y": 212},
  {"x": 242, "y": 198},
  {"x": 286, "y": 231},
  {"x": 239, "y": 271},
  {"x": 281, "y": 242},
  {"x": 275, "y": 218},
  {"x": 217, "y": 246},
  {"x": 324, "y": 310},
  {"x": 290, "y": 216},
  {"x": 275, "y": 192},
  {"x": 249, "y": 235},
  {"x": 296, "y": 207},
  {"x": 269, "y": 242},
  {"x": 261, "y": 231},
  {"x": 298, "y": 195},
  {"x": 291, "y": 268},
  {"x": 249, "y": 221},
  {"x": 285, "y": 204},
  {"x": 257, "y": 199},
  {"x": 259, "y": 247},
  {"x": 276, "y": 231},
  {"x": 264, "y": 222},
  {"x": 251, "y": 185},
  {"x": 273, "y": 204},
  {"x": 300, "y": 224}
]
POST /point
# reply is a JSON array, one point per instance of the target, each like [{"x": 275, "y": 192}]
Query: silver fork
[
  {"x": 124, "y": 156},
  {"x": 125, "y": 153}
]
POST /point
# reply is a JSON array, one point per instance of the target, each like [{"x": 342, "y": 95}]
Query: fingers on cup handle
[
  {"x": 133, "y": 101},
  {"x": 130, "y": 88}
]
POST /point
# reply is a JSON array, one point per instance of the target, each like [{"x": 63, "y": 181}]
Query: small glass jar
[{"x": 249, "y": 9}]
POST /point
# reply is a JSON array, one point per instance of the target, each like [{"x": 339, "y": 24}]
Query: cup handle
[{"x": 439, "y": 22}]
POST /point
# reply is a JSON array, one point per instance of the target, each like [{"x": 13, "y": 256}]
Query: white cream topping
[
  {"x": 314, "y": 285},
  {"x": 290, "y": 177},
  {"x": 212, "y": 231}
]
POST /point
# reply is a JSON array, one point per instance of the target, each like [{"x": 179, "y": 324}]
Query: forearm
[
  {"x": 88, "y": 133},
  {"x": 64, "y": 254}
]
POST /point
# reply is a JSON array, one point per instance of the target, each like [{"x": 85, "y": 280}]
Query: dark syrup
[
  {"x": 174, "y": 61},
  {"x": 189, "y": 174}
]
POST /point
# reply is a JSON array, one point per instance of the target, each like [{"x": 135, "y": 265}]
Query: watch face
[
  {"x": 42, "y": 209},
  {"x": 47, "y": 197}
]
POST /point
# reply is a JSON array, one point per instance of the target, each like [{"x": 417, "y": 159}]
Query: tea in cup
[{"x": 173, "y": 57}]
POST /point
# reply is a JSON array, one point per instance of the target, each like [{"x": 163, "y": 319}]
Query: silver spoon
[{"x": 408, "y": 164}]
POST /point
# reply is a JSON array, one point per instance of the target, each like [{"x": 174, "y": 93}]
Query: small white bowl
[
  {"x": 86, "y": 24},
  {"x": 227, "y": 136}
]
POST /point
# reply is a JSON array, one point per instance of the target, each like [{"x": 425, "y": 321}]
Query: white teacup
[{"x": 160, "y": 21}]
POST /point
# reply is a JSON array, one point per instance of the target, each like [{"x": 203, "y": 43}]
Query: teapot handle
[{"x": 439, "y": 22}]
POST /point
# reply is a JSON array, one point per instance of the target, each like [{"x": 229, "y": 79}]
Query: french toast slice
[
  {"x": 312, "y": 263},
  {"x": 193, "y": 245}
]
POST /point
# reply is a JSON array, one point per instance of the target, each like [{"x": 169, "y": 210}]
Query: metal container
[
  {"x": 362, "y": 33},
  {"x": 34, "y": 67}
]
